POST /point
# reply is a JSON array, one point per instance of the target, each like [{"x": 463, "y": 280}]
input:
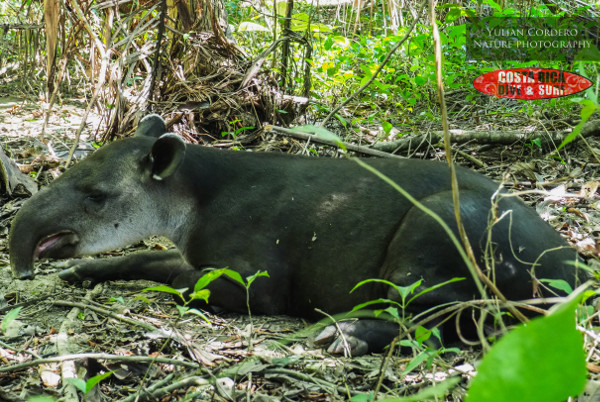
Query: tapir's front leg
[
  {"x": 158, "y": 266},
  {"x": 171, "y": 268}
]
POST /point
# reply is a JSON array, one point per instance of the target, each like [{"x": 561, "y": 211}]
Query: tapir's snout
[{"x": 38, "y": 231}]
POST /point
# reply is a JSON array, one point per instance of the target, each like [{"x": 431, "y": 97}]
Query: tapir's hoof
[
  {"x": 359, "y": 336},
  {"x": 82, "y": 271},
  {"x": 70, "y": 275}
]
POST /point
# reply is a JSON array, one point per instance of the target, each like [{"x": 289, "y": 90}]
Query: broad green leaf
[
  {"x": 41, "y": 398},
  {"x": 387, "y": 127},
  {"x": 429, "y": 289},
  {"x": 393, "y": 311},
  {"x": 543, "y": 361},
  {"x": 422, "y": 334},
  {"x": 362, "y": 397},
  {"x": 359, "y": 284},
  {"x": 235, "y": 276},
  {"x": 559, "y": 284},
  {"x": 165, "y": 289},
  {"x": 77, "y": 383},
  {"x": 207, "y": 278},
  {"x": 10, "y": 317},
  {"x": 416, "y": 361},
  {"x": 321, "y": 132},
  {"x": 376, "y": 301},
  {"x": 91, "y": 383},
  {"x": 195, "y": 312},
  {"x": 406, "y": 290},
  {"x": 589, "y": 108},
  {"x": 258, "y": 273},
  {"x": 202, "y": 294}
]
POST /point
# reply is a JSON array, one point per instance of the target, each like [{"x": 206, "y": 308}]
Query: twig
[
  {"x": 324, "y": 385},
  {"x": 306, "y": 137},
  {"x": 457, "y": 136},
  {"x": 109, "y": 313},
  {"x": 99, "y": 356}
]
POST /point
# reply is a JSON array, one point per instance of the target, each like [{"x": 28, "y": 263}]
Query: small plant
[
  {"x": 404, "y": 292},
  {"x": 249, "y": 280},
  {"x": 234, "y": 132},
  {"x": 200, "y": 292},
  {"x": 9, "y": 317},
  {"x": 86, "y": 386}
]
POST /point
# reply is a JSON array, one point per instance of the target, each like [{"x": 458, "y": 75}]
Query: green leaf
[
  {"x": 207, "y": 278},
  {"x": 422, "y": 334},
  {"x": 195, "y": 312},
  {"x": 142, "y": 299},
  {"x": 543, "y": 361},
  {"x": 164, "y": 289},
  {"x": 404, "y": 291},
  {"x": 202, "y": 294},
  {"x": 41, "y": 398},
  {"x": 376, "y": 301},
  {"x": 416, "y": 361},
  {"x": 10, "y": 317},
  {"x": 359, "y": 284},
  {"x": 77, "y": 383},
  {"x": 559, "y": 284},
  {"x": 321, "y": 132},
  {"x": 393, "y": 311},
  {"x": 439, "y": 285},
  {"x": 588, "y": 109},
  {"x": 362, "y": 397},
  {"x": 387, "y": 127},
  {"x": 182, "y": 309},
  {"x": 235, "y": 276},
  {"x": 92, "y": 382},
  {"x": 258, "y": 273}
]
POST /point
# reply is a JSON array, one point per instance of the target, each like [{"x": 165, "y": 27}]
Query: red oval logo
[{"x": 531, "y": 83}]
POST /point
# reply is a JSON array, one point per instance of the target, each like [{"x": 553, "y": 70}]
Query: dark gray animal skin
[{"x": 317, "y": 225}]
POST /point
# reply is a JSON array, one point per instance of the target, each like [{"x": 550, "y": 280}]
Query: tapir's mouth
[{"x": 57, "y": 245}]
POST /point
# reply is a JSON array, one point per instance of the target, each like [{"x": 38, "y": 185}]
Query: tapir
[{"x": 318, "y": 226}]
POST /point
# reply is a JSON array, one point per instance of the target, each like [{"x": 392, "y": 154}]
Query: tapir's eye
[
  {"x": 94, "y": 201},
  {"x": 96, "y": 197}
]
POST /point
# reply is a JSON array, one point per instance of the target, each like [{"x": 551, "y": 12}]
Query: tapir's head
[{"x": 118, "y": 195}]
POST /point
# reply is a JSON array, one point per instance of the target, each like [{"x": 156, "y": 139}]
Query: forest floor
[{"x": 116, "y": 327}]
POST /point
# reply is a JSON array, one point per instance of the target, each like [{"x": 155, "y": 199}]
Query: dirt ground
[{"x": 154, "y": 354}]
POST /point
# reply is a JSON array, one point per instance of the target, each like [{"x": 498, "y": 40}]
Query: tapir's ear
[
  {"x": 166, "y": 156},
  {"x": 151, "y": 126}
]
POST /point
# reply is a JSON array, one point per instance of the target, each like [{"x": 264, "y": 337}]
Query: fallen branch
[
  {"x": 414, "y": 140},
  {"x": 98, "y": 356},
  {"x": 311, "y": 137}
]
